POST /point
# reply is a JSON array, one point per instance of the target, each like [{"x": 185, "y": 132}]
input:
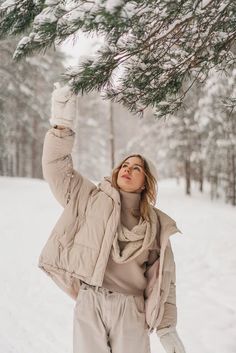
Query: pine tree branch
[{"x": 156, "y": 43}]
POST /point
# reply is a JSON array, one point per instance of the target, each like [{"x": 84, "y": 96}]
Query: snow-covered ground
[{"x": 36, "y": 316}]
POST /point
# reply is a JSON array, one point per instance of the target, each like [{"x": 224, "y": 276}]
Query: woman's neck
[
  {"x": 130, "y": 208},
  {"x": 130, "y": 200}
]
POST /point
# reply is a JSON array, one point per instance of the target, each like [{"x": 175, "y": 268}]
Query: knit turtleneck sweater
[{"x": 129, "y": 278}]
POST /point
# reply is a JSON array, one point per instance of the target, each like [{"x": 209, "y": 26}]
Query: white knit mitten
[
  {"x": 171, "y": 341},
  {"x": 63, "y": 107}
]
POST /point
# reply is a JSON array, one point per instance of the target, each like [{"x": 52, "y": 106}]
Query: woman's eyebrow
[{"x": 134, "y": 164}]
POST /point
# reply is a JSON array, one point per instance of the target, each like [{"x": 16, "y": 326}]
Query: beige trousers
[{"x": 106, "y": 321}]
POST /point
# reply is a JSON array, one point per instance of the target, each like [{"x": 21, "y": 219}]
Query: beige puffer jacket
[{"x": 80, "y": 243}]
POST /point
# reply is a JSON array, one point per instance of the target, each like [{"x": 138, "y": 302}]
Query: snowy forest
[
  {"x": 198, "y": 143},
  {"x": 151, "y": 77},
  {"x": 184, "y": 119},
  {"x": 25, "y": 90}
]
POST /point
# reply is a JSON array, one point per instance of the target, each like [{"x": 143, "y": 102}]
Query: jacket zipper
[
  {"x": 69, "y": 187},
  {"x": 108, "y": 254},
  {"x": 151, "y": 329}
]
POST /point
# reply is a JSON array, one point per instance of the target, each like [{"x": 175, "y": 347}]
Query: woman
[{"x": 110, "y": 249}]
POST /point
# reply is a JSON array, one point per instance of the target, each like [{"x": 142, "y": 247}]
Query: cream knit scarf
[{"x": 138, "y": 239}]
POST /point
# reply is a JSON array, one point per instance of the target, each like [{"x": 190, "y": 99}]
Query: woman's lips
[{"x": 126, "y": 177}]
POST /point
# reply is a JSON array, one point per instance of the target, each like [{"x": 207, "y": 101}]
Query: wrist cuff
[
  {"x": 61, "y": 133},
  {"x": 165, "y": 330}
]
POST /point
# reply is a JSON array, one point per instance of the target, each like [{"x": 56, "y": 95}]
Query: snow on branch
[{"x": 159, "y": 44}]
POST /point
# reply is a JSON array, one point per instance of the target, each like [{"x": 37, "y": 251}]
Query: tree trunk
[
  {"x": 111, "y": 135},
  {"x": 34, "y": 154},
  {"x": 233, "y": 180},
  {"x": 201, "y": 176},
  {"x": 187, "y": 176}
]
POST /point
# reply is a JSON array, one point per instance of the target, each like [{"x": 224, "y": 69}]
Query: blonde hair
[{"x": 149, "y": 194}]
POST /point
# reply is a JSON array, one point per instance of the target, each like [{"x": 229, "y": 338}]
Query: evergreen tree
[
  {"x": 151, "y": 48},
  {"x": 215, "y": 111},
  {"x": 24, "y": 109}
]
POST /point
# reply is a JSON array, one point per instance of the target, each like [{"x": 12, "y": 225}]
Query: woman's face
[{"x": 131, "y": 175}]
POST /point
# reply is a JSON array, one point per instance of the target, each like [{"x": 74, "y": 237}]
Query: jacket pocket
[
  {"x": 68, "y": 236},
  {"x": 139, "y": 304},
  {"x": 139, "y": 310},
  {"x": 80, "y": 303},
  {"x": 80, "y": 259}
]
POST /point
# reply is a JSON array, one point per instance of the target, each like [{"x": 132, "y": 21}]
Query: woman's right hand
[{"x": 63, "y": 107}]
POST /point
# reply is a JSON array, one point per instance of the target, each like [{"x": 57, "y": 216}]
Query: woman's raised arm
[{"x": 57, "y": 164}]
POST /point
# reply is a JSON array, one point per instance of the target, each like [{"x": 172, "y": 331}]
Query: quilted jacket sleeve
[
  {"x": 169, "y": 319},
  {"x": 57, "y": 166}
]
